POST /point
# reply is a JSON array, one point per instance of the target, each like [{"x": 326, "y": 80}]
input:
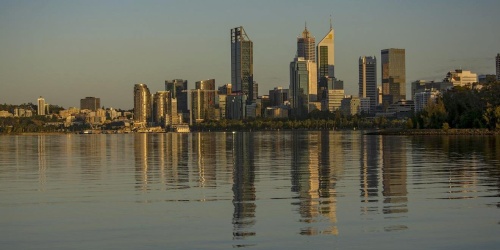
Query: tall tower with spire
[
  {"x": 305, "y": 45},
  {"x": 325, "y": 52},
  {"x": 241, "y": 62}
]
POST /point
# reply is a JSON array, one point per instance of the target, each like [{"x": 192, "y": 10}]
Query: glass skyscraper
[
  {"x": 368, "y": 80},
  {"x": 325, "y": 52},
  {"x": 393, "y": 75},
  {"x": 142, "y": 103},
  {"x": 177, "y": 88},
  {"x": 242, "y": 62},
  {"x": 305, "y": 46}
]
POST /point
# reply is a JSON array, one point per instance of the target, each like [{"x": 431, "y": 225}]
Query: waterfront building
[
  {"x": 422, "y": 85},
  {"x": 326, "y": 84},
  {"x": 235, "y": 106},
  {"x": 368, "y": 82},
  {"x": 41, "y": 106},
  {"x": 90, "y": 103},
  {"x": 142, "y": 104},
  {"x": 332, "y": 100},
  {"x": 305, "y": 46},
  {"x": 461, "y": 77},
  {"x": 241, "y": 62},
  {"x": 424, "y": 98},
  {"x": 498, "y": 66},
  {"x": 393, "y": 75},
  {"x": 325, "y": 55},
  {"x": 203, "y": 101},
  {"x": 178, "y": 90},
  {"x": 351, "y": 105},
  {"x": 303, "y": 85},
  {"x": 161, "y": 108},
  {"x": 278, "y": 96}
]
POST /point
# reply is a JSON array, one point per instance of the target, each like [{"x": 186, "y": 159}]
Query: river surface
[{"x": 260, "y": 190}]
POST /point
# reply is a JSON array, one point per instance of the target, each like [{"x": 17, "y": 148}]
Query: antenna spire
[{"x": 331, "y": 26}]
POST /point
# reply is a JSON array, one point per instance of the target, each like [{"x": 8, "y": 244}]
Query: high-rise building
[
  {"x": 393, "y": 75},
  {"x": 142, "y": 104},
  {"x": 203, "y": 100},
  {"x": 498, "y": 66},
  {"x": 305, "y": 46},
  {"x": 241, "y": 62},
  {"x": 303, "y": 85},
  {"x": 90, "y": 103},
  {"x": 278, "y": 96},
  {"x": 178, "y": 90},
  {"x": 161, "y": 108},
  {"x": 325, "y": 55},
  {"x": 41, "y": 106},
  {"x": 368, "y": 80}
]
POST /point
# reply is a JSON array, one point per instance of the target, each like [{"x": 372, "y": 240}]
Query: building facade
[
  {"x": 90, "y": 103},
  {"x": 178, "y": 90},
  {"x": 368, "y": 81},
  {"x": 142, "y": 104},
  {"x": 41, "y": 106},
  {"x": 393, "y": 75},
  {"x": 278, "y": 96},
  {"x": 203, "y": 101},
  {"x": 303, "y": 86},
  {"x": 306, "y": 46},
  {"x": 332, "y": 100},
  {"x": 461, "y": 77},
  {"x": 325, "y": 55},
  {"x": 161, "y": 108},
  {"x": 241, "y": 62}
]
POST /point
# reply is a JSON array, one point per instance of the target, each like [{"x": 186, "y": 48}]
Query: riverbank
[{"x": 435, "y": 132}]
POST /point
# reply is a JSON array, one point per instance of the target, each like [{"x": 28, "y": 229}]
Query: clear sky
[{"x": 66, "y": 50}]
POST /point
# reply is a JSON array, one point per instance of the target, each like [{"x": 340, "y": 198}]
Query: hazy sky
[{"x": 67, "y": 50}]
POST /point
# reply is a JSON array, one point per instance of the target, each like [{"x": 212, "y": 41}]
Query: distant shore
[{"x": 435, "y": 132}]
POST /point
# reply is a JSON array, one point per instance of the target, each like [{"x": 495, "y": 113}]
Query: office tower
[
  {"x": 241, "y": 62},
  {"x": 368, "y": 80},
  {"x": 90, "y": 103},
  {"x": 325, "y": 55},
  {"x": 161, "y": 108},
  {"x": 41, "y": 106},
  {"x": 498, "y": 66},
  {"x": 393, "y": 75},
  {"x": 203, "y": 101},
  {"x": 278, "y": 96},
  {"x": 305, "y": 46},
  {"x": 142, "y": 104},
  {"x": 303, "y": 85},
  {"x": 178, "y": 90}
]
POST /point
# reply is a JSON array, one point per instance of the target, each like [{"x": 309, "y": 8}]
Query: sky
[{"x": 66, "y": 50}]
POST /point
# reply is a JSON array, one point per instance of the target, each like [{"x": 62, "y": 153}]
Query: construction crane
[{"x": 199, "y": 104}]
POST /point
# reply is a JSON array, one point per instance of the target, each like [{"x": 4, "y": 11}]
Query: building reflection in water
[
  {"x": 204, "y": 151},
  {"x": 369, "y": 172},
  {"x": 314, "y": 177},
  {"x": 394, "y": 175},
  {"x": 141, "y": 161},
  {"x": 243, "y": 185},
  {"x": 42, "y": 162}
]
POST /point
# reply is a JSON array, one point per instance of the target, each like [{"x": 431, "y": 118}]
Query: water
[{"x": 262, "y": 190}]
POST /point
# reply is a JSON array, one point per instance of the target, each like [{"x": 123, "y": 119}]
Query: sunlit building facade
[
  {"x": 242, "y": 62},
  {"x": 325, "y": 52},
  {"x": 303, "y": 86},
  {"x": 393, "y": 75},
  {"x": 305, "y": 46},
  {"x": 41, "y": 106},
  {"x": 368, "y": 81},
  {"x": 461, "y": 77},
  {"x": 142, "y": 104}
]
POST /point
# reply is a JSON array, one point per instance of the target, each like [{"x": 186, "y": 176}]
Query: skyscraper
[
  {"x": 161, "y": 108},
  {"x": 305, "y": 46},
  {"x": 368, "y": 80},
  {"x": 177, "y": 89},
  {"x": 142, "y": 103},
  {"x": 203, "y": 100},
  {"x": 393, "y": 75},
  {"x": 241, "y": 62},
  {"x": 325, "y": 52},
  {"x": 303, "y": 85},
  {"x": 498, "y": 66},
  {"x": 41, "y": 106}
]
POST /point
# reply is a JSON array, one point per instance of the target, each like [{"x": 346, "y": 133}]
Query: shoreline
[{"x": 425, "y": 132}]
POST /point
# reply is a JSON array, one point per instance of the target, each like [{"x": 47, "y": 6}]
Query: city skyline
[{"x": 103, "y": 48}]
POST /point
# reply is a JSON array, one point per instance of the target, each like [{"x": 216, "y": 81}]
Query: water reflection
[
  {"x": 394, "y": 175},
  {"x": 243, "y": 185},
  {"x": 313, "y": 182}
]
